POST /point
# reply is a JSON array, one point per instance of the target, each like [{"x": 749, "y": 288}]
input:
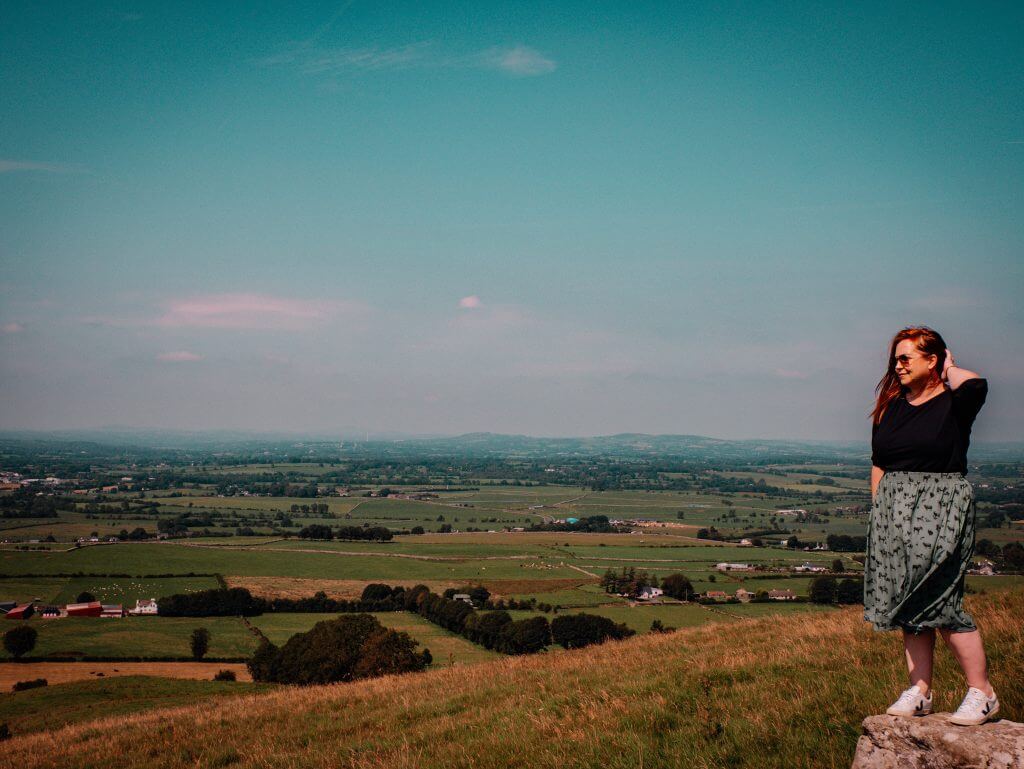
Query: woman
[{"x": 921, "y": 529}]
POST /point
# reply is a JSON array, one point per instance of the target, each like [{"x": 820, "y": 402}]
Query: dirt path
[{"x": 580, "y": 568}]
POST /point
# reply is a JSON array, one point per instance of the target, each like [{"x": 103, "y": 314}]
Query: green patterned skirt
[{"x": 919, "y": 545}]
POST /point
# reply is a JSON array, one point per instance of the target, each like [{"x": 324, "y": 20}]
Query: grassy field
[
  {"x": 313, "y": 561},
  {"x": 697, "y": 698},
  {"x": 55, "y": 706},
  {"x": 640, "y": 617},
  {"x": 136, "y": 636},
  {"x": 63, "y": 590}
]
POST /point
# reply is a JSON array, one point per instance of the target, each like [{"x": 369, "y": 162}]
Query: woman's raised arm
[{"x": 955, "y": 375}]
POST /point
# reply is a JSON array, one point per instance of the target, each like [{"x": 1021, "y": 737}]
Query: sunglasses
[{"x": 904, "y": 360}]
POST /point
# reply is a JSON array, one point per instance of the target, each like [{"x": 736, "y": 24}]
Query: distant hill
[
  {"x": 693, "y": 447},
  {"x": 773, "y": 692}
]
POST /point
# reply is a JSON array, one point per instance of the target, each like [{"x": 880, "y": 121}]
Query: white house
[
  {"x": 809, "y": 567},
  {"x": 144, "y": 606},
  {"x": 733, "y": 566},
  {"x": 646, "y": 593},
  {"x": 463, "y": 597}
]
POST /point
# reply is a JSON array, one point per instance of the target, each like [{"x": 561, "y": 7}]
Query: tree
[
  {"x": 387, "y": 651},
  {"x": 837, "y": 566},
  {"x": 342, "y": 649},
  {"x": 678, "y": 586},
  {"x": 823, "y": 589},
  {"x": 376, "y": 591},
  {"x": 850, "y": 591},
  {"x": 85, "y": 597},
  {"x": 1013, "y": 554},
  {"x": 20, "y": 640},
  {"x": 574, "y": 631},
  {"x": 525, "y": 636},
  {"x": 200, "y": 642}
]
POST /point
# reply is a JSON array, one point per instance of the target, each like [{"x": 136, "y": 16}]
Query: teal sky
[{"x": 545, "y": 218}]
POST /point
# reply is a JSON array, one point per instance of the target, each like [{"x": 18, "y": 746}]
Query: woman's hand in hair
[
  {"x": 956, "y": 378},
  {"x": 946, "y": 366}
]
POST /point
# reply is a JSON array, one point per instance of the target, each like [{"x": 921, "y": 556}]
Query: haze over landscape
[{"x": 544, "y": 219}]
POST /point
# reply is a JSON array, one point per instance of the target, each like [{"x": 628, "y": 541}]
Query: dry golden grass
[
  {"x": 775, "y": 692},
  {"x": 298, "y": 587},
  {"x": 62, "y": 672}
]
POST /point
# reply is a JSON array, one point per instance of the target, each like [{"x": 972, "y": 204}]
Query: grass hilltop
[{"x": 773, "y": 692}]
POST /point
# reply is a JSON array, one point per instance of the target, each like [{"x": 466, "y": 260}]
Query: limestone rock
[{"x": 932, "y": 742}]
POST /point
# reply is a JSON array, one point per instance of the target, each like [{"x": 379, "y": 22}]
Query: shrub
[
  {"x": 200, "y": 642},
  {"x": 574, "y": 631},
  {"x": 225, "y": 675},
  {"x": 524, "y": 636},
  {"x": 20, "y": 640},
  {"x": 823, "y": 589},
  {"x": 35, "y": 683},
  {"x": 850, "y": 591}
]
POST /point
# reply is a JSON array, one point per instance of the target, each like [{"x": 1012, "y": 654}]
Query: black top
[{"x": 931, "y": 437}]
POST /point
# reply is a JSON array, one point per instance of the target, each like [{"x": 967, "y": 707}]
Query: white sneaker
[
  {"x": 977, "y": 708},
  {"x": 911, "y": 703}
]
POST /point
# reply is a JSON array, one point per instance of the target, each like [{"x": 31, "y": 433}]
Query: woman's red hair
[{"x": 928, "y": 342}]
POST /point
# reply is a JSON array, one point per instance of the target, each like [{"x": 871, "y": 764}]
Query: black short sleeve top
[{"x": 932, "y": 436}]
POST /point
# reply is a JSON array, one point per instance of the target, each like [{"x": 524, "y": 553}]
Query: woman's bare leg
[
  {"x": 970, "y": 653},
  {"x": 920, "y": 651}
]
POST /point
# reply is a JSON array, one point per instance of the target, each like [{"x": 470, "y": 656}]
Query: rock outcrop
[{"x": 931, "y": 742}]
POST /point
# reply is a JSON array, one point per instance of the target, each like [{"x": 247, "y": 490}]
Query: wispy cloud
[
  {"x": 786, "y": 373},
  {"x": 241, "y": 311},
  {"x": 470, "y": 302},
  {"x": 9, "y": 166},
  {"x": 248, "y": 311},
  {"x": 179, "y": 356},
  {"x": 12, "y": 328},
  {"x": 517, "y": 61}
]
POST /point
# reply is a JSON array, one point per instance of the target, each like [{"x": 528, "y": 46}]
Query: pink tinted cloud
[
  {"x": 179, "y": 356},
  {"x": 470, "y": 302},
  {"x": 12, "y": 328},
  {"x": 248, "y": 311}
]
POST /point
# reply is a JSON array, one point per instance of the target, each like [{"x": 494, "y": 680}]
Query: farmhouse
[
  {"x": 144, "y": 606},
  {"x": 782, "y": 595},
  {"x": 646, "y": 593},
  {"x": 733, "y": 566},
  {"x": 463, "y": 597},
  {"x": 717, "y": 595},
  {"x": 744, "y": 595},
  {"x": 808, "y": 566}
]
